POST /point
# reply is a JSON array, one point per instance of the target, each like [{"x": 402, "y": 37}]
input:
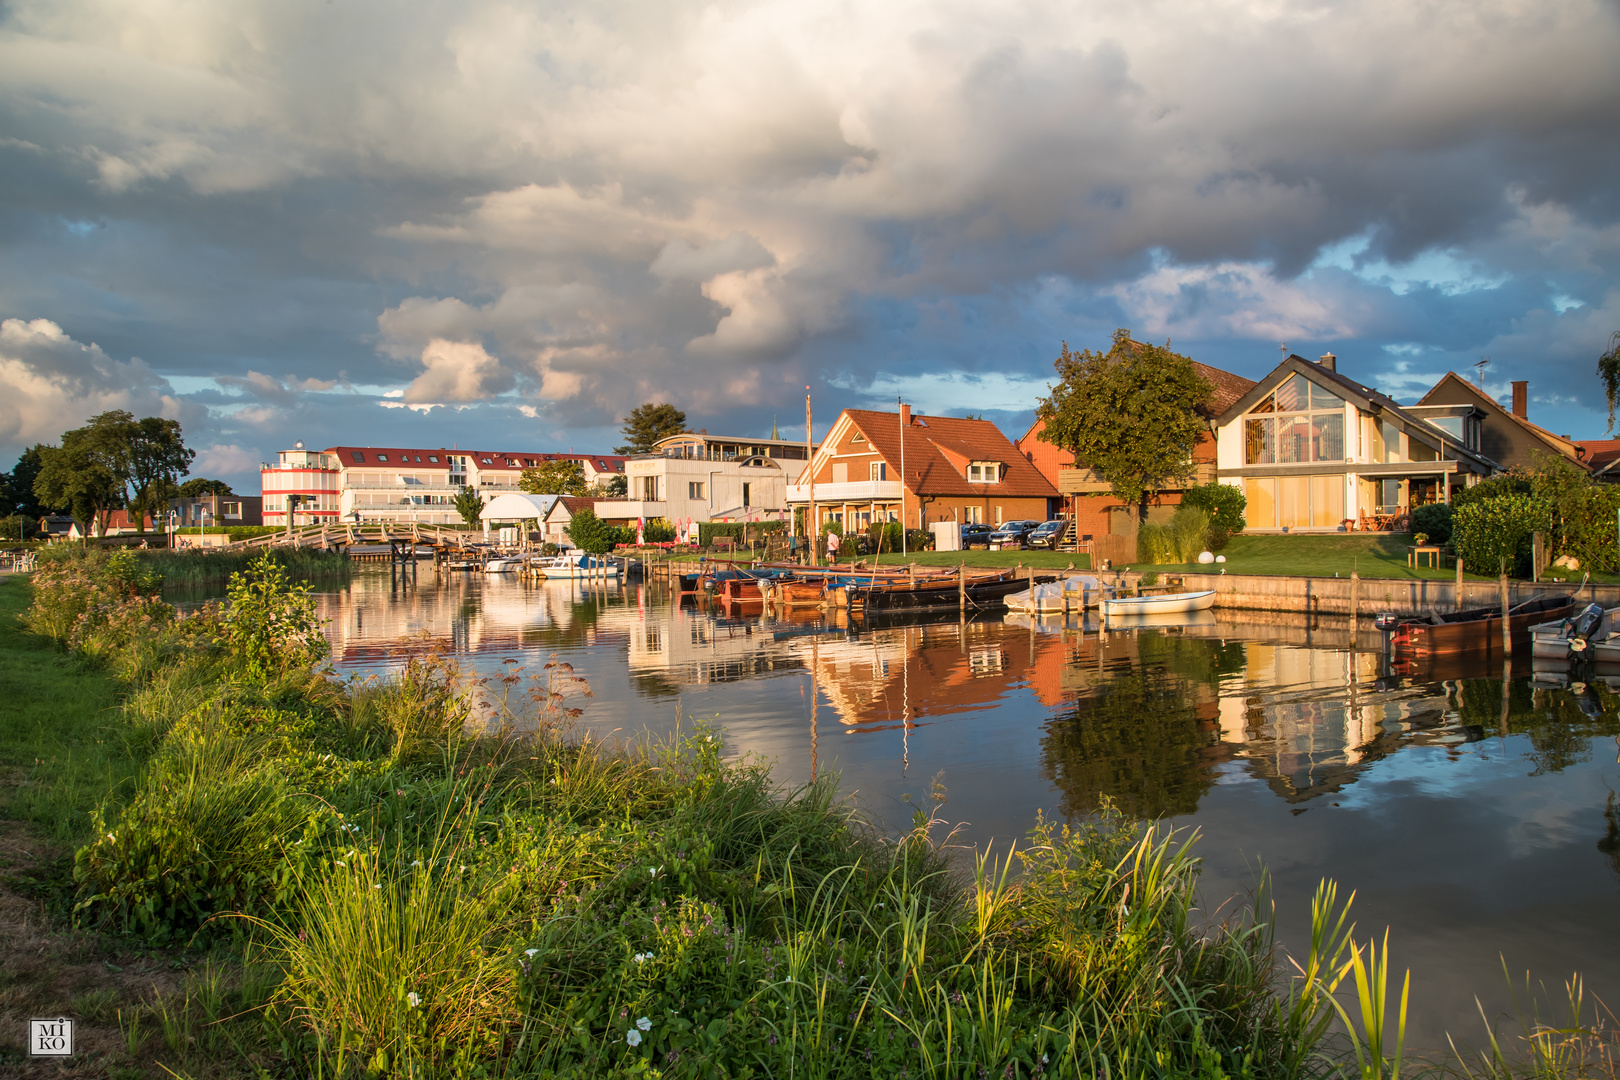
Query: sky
[{"x": 504, "y": 225}]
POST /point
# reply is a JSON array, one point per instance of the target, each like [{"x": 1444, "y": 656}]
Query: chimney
[
  {"x": 905, "y": 416},
  {"x": 1521, "y": 400},
  {"x": 1329, "y": 361}
]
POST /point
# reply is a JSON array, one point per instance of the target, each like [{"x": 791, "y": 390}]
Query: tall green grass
[
  {"x": 442, "y": 878},
  {"x": 202, "y": 567}
]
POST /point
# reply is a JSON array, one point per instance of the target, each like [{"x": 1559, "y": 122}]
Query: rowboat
[
  {"x": 1165, "y": 604},
  {"x": 793, "y": 594},
  {"x": 1478, "y": 628},
  {"x": 985, "y": 591}
]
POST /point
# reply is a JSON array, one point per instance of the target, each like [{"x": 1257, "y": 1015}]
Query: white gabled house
[{"x": 1315, "y": 451}]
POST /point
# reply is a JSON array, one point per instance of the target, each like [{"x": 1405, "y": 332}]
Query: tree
[
  {"x": 1609, "y": 372},
  {"x": 590, "y": 533},
  {"x": 617, "y": 486},
  {"x": 197, "y": 487},
  {"x": 1130, "y": 414},
  {"x": 468, "y": 504},
  {"x": 17, "y": 496},
  {"x": 83, "y": 477},
  {"x": 158, "y": 458},
  {"x": 648, "y": 423},
  {"x": 559, "y": 477}
]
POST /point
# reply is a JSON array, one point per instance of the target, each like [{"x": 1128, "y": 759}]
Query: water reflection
[{"x": 1475, "y": 816}]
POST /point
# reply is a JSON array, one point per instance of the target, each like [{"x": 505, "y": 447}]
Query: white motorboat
[
  {"x": 1075, "y": 593},
  {"x": 503, "y": 564},
  {"x": 1163, "y": 604},
  {"x": 1590, "y": 634},
  {"x": 574, "y": 566}
]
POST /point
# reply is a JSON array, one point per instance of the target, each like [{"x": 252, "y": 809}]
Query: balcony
[{"x": 851, "y": 491}]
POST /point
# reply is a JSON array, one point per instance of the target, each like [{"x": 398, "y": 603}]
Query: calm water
[{"x": 1481, "y": 829}]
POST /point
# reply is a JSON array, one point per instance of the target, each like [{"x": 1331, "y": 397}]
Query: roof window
[
  {"x": 359, "y": 458},
  {"x": 434, "y": 458},
  {"x": 382, "y": 457}
]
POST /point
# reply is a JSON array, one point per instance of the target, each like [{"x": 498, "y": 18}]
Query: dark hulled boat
[
  {"x": 983, "y": 591},
  {"x": 1477, "y": 629}
]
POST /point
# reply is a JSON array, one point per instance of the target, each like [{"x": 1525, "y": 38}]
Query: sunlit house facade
[{"x": 1316, "y": 451}]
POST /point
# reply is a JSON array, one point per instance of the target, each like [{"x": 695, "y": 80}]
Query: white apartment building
[
  {"x": 694, "y": 477},
  {"x": 397, "y": 484}
]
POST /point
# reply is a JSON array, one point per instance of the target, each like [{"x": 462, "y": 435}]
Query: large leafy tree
[
  {"x": 648, "y": 423},
  {"x": 158, "y": 458},
  {"x": 1130, "y": 414},
  {"x": 558, "y": 477},
  {"x": 199, "y": 486},
  {"x": 85, "y": 476}
]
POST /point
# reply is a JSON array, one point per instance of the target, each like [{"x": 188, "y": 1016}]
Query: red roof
[
  {"x": 492, "y": 460},
  {"x": 938, "y": 450}
]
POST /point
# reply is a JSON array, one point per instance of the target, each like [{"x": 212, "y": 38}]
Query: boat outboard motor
[{"x": 1582, "y": 626}]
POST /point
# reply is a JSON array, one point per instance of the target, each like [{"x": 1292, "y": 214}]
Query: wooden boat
[
  {"x": 1163, "y": 604},
  {"x": 1478, "y": 628},
  {"x": 984, "y": 591},
  {"x": 739, "y": 587},
  {"x": 795, "y": 594}
]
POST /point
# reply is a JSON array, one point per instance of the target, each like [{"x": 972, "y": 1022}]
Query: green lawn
[
  {"x": 1369, "y": 554},
  {"x": 60, "y": 751}
]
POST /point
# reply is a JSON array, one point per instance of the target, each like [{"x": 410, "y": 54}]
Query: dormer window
[{"x": 984, "y": 472}]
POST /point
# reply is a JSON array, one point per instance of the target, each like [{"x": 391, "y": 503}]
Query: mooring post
[
  {"x": 961, "y": 591},
  {"x": 1459, "y": 582},
  {"x": 1355, "y": 604},
  {"x": 1507, "y": 636}
]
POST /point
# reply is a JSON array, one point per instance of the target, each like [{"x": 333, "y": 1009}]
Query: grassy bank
[
  {"x": 388, "y": 879},
  {"x": 413, "y": 900},
  {"x": 190, "y": 569}
]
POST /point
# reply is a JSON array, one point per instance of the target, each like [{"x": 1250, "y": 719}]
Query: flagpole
[
  {"x": 902, "y": 418},
  {"x": 810, "y": 530}
]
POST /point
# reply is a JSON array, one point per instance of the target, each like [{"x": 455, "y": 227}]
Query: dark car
[
  {"x": 1047, "y": 534},
  {"x": 1012, "y": 533},
  {"x": 974, "y": 533}
]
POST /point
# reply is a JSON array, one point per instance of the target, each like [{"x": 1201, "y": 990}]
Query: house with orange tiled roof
[
  {"x": 904, "y": 466},
  {"x": 1091, "y": 500}
]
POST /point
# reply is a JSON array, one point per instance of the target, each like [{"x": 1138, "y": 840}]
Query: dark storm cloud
[{"x": 536, "y": 219}]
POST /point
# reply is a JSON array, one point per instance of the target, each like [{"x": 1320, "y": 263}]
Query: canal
[{"x": 1481, "y": 825}]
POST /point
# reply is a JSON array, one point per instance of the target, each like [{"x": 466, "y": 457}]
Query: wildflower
[
  {"x": 772, "y": 1040},
  {"x": 530, "y": 952},
  {"x": 413, "y": 1000},
  {"x": 644, "y": 1024},
  {"x": 342, "y": 863},
  {"x": 109, "y": 836},
  {"x": 634, "y": 1038},
  {"x": 378, "y": 886}
]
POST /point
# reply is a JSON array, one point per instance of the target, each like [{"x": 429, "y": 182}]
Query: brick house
[
  {"x": 1096, "y": 511},
  {"x": 884, "y": 466}
]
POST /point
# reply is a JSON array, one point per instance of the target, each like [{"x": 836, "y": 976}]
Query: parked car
[
  {"x": 1012, "y": 533},
  {"x": 1047, "y": 534},
  {"x": 973, "y": 533}
]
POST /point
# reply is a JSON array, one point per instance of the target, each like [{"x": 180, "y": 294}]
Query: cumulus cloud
[
  {"x": 53, "y": 383},
  {"x": 458, "y": 371}
]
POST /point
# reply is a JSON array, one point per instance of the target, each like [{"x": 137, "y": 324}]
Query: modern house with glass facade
[{"x": 1315, "y": 451}]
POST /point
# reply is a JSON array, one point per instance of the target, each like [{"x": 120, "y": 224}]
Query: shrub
[
  {"x": 1154, "y": 544},
  {"x": 1508, "y": 483},
  {"x": 590, "y": 533},
  {"x": 1494, "y": 534},
  {"x": 1189, "y": 534},
  {"x": 658, "y": 531},
  {"x": 1225, "y": 504},
  {"x": 1434, "y": 521},
  {"x": 271, "y": 625}
]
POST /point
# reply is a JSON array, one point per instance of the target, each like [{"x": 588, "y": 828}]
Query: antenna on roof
[
  {"x": 1481, "y": 365},
  {"x": 1282, "y": 347}
]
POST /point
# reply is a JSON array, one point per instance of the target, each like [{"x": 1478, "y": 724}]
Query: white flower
[
  {"x": 376, "y": 886},
  {"x": 412, "y": 999},
  {"x": 342, "y": 863},
  {"x": 644, "y": 1024},
  {"x": 109, "y": 836},
  {"x": 634, "y": 1038},
  {"x": 416, "y": 862},
  {"x": 530, "y": 952}
]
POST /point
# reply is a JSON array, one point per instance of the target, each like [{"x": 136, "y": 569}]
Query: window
[
  {"x": 486, "y": 461},
  {"x": 1296, "y": 502},
  {"x": 840, "y": 472},
  {"x": 359, "y": 457},
  {"x": 1297, "y": 422},
  {"x": 973, "y": 515},
  {"x": 998, "y": 515},
  {"x": 747, "y": 495},
  {"x": 857, "y": 437},
  {"x": 419, "y": 459},
  {"x": 694, "y": 489},
  {"x": 434, "y": 458},
  {"x": 879, "y": 470},
  {"x": 382, "y": 457},
  {"x": 984, "y": 472}
]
